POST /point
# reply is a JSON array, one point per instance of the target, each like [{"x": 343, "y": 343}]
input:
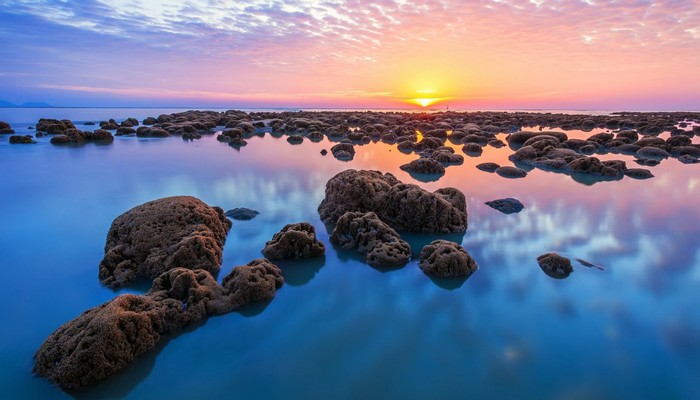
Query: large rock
[
  {"x": 365, "y": 232},
  {"x": 104, "y": 339},
  {"x": 163, "y": 234},
  {"x": 445, "y": 259},
  {"x": 294, "y": 241},
  {"x": 555, "y": 266},
  {"x": 404, "y": 207}
]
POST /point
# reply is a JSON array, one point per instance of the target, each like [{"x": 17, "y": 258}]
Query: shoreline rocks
[{"x": 149, "y": 239}]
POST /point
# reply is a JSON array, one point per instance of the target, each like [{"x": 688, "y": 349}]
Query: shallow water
[{"x": 341, "y": 328}]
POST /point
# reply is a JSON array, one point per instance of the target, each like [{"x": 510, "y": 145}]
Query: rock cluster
[
  {"x": 382, "y": 246},
  {"x": 294, "y": 241},
  {"x": 163, "y": 234},
  {"x": 104, "y": 339},
  {"x": 404, "y": 207}
]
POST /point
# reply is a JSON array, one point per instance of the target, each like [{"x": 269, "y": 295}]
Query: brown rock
[
  {"x": 294, "y": 241},
  {"x": 365, "y": 232},
  {"x": 446, "y": 259},
  {"x": 161, "y": 235},
  {"x": 555, "y": 266}
]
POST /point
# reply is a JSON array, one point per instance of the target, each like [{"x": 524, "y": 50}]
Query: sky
[{"x": 484, "y": 54}]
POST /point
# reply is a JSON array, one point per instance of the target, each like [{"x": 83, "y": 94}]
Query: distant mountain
[
  {"x": 35, "y": 104},
  {"x": 29, "y": 104}
]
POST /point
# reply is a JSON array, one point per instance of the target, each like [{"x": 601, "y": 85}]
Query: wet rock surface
[
  {"x": 555, "y": 266},
  {"x": 445, "y": 259},
  {"x": 241, "y": 213},
  {"x": 160, "y": 235},
  {"x": 294, "y": 241},
  {"x": 404, "y": 207},
  {"x": 382, "y": 246},
  {"x": 508, "y": 205},
  {"x": 104, "y": 339}
]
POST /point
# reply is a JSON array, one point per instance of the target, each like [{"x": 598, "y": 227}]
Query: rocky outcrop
[
  {"x": 445, "y": 259},
  {"x": 404, "y": 207},
  {"x": 555, "y": 266},
  {"x": 160, "y": 235},
  {"x": 104, "y": 339},
  {"x": 365, "y": 232},
  {"x": 294, "y": 241},
  {"x": 508, "y": 205}
]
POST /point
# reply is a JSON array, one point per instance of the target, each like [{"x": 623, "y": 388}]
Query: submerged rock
[
  {"x": 445, "y": 259},
  {"x": 507, "y": 206},
  {"x": 555, "y": 266},
  {"x": 160, "y": 235},
  {"x": 404, "y": 207},
  {"x": 365, "y": 232},
  {"x": 294, "y": 241},
  {"x": 511, "y": 172},
  {"x": 241, "y": 213},
  {"x": 104, "y": 339}
]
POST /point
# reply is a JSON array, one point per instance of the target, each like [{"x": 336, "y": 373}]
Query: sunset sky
[{"x": 488, "y": 54}]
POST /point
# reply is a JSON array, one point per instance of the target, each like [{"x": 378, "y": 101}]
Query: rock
[
  {"x": 153, "y": 132},
  {"x": 511, "y": 172},
  {"x": 424, "y": 166},
  {"x": 488, "y": 167},
  {"x": 6, "y": 129},
  {"x": 100, "y": 136},
  {"x": 686, "y": 159},
  {"x": 22, "y": 139},
  {"x": 472, "y": 149},
  {"x": 446, "y": 157},
  {"x": 555, "y": 266},
  {"x": 402, "y": 206},
  {"x": 343, "y": 151},
  {"x": 507, "y": 206},
  {"x": 653, "y": 153},
  {"x": 639, "y": 173},
  {"x": 445, "y": 259},
  {"x": 241, "y": 213},
  {"x": 125, "y": 131},
  {"x": 160, "y": 235},
  {"x": 365, "y": 232},
  {"x": 324, "y": 152},
  {"x": 104, "y": 339},
  {"x": 149, "y": 121},
  {"x": 294, "y": 241},
  {"x": 295, "y": 139}
]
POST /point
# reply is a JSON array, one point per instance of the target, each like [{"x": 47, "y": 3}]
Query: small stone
[
  {"x": 241, "y": 213},
  {"x": 507, "y": 206},
  {"x": 555, "y": 266}
]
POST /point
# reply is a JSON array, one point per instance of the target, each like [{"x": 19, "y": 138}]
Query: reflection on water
[{"x": 342, "y": 329}]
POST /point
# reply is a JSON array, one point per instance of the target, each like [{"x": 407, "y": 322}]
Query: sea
[{"x": 625, "y": 328}]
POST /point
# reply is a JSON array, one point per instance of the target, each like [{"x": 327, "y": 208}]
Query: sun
[{"x": 425, "y": 101}]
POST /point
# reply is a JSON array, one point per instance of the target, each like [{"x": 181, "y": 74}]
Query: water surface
[{"x": 341, "y": 328}]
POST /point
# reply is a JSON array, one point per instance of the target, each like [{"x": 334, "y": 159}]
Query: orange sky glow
[{"x": 389, "y": 53}]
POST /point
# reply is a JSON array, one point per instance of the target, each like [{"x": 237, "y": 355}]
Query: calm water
[{"x": 340, "y": 328}]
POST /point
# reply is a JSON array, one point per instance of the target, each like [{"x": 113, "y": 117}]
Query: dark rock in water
[
  {"x": 295, "y": 139},
  {"x": 294, "y": 241},
  {"x": 149, "y": 121},
  {"x": 100, "y": 136},
  {"x": 365, "y": 232},
  {"x": 488, "y": 167},
  {"x": 424, "y": 166},
  {"x": 54, "y": 126},
  {"x": 19, "y": 139},
  {"x": 5, "y": 128},
  {"x": 153, "y": 132},
  {"x": 688, "y": 159},
  {"x": 507, "y": 206},
  {"x": 653, "y": 153},
  {"x": 324, "y": 152},
  {"x": 163, "y": 234},
  {"x": 445, "y": 259},
  {"x": 472, "y": 149},
  {"x": 446, "y": 157},
  {"x": 104, "y": 339},
  {"x": 404, "y": 207},
  {"x": 343, "y": 151},
  {"x": 555, "y": 266},
  {"x": 647, "y": 162},
  {"x": 511, "y": 172},
  {"x": 241, "y": 213},
  {"x": 639, "y": 173},
  {"x": 125, "y": 131},
  {"x": 89, "y": 123},
  {"x": 191, "y": 136}
]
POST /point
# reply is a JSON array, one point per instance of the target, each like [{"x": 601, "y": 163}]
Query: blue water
[{"x": 340, "y": 328}]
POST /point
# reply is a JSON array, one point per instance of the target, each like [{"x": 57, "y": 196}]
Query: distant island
[{"x": 30, "y": 104}]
